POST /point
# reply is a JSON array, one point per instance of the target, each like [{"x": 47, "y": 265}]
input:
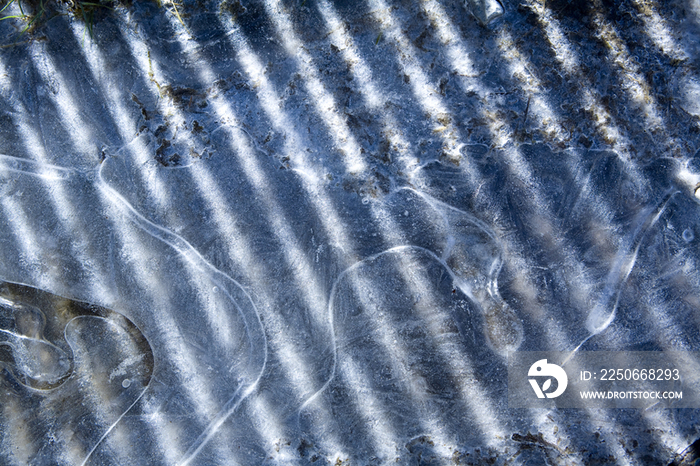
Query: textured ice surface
[
  {"x": 72, "y": 372},
  {"x": 311, "y": 232},
  {"x": 485, "y": 10}
]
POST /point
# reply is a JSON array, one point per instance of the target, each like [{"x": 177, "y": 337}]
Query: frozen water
[
  {"x": 485, "y": 10},
  {"x": 237, "y": 336},
  {"x": 312, "y": 232},
  {"x": 38, "y": 363},
  {"x": 401, "y": 349},
  {"x": 59, "y": 374},
  {"x": 688, "y": 235}
]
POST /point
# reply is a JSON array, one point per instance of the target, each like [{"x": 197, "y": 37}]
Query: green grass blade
[
  {"x": 6, "y": 5},
  {"x": 97, "y": 5}
]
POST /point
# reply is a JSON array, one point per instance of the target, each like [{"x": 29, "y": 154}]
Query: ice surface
[
  {"x": 72, "y": 369},
  {"x": 38, "y": 363},
  {"x": 485, "y": 10},
  {"x": 293, "y": 233}
]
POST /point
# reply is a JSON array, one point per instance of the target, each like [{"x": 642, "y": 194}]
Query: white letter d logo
[{"x": 542, "y": 369}]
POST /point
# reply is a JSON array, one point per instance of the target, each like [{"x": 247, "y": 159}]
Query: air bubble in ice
[
  {"x": 474, "y": 257},
  {"x": 688, "y": 235},
  {"x": 39, "y": 363},
  {"x": 604, "y": 311},
  {"x": 485, "y": 10},
  {"x": 64, "y": 351}
]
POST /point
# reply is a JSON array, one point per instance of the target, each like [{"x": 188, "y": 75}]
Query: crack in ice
[
  {"x": 248, "y": 312},
  {"x": 503, "y": 328}
]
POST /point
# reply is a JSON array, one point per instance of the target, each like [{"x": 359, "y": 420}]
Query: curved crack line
[
  {"x": 219, "y": 278},
  {"x": 605, "y": 310},
  {"x": 492, "y": 286},
  {"x": 69, "y": 352},
  {"x": 496, "y": 312},
  {"x": 29, "y": 360},
  {"x": 46, "y": 171},
  {"x": 121, "y": 416}
]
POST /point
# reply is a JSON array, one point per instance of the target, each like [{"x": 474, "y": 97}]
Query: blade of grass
[
  {"x": 100, "y": 5},
  {"x": 177, "y": 13},
  {"x": 379, "y": 37},
  {"x": 6, "y": 5}
]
